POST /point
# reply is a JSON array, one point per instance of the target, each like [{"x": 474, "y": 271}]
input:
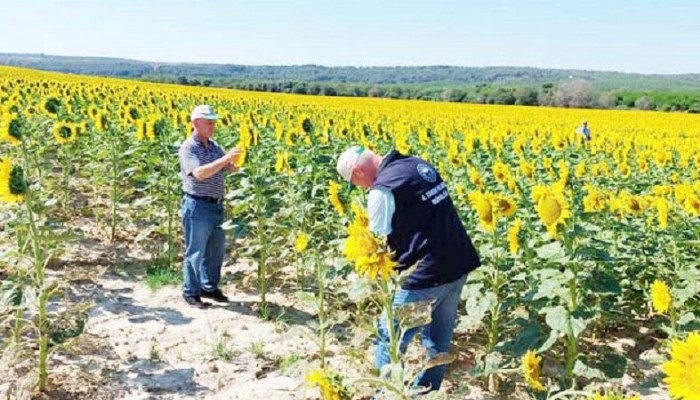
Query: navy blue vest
[{"x": 425, "y": 226}]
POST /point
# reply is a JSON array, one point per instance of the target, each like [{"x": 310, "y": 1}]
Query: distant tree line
[
  {"x": 486, "y": 85},
  {"x": 435, "y": 75},
  {"x": 575, "y": 93}
]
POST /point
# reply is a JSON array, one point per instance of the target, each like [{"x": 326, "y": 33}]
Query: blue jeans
[
  {"x": 436, "y": 336},
  {"x": 204, "y": 245}
]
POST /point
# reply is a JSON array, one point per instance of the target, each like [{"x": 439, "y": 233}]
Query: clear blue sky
[{"x": 649, "y": 36}]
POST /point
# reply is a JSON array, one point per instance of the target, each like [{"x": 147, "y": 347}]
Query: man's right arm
[
  {"x": 380, "y": 209},
  {"x": 192, "y": 166},
  {"x": 206, "y": 171}
]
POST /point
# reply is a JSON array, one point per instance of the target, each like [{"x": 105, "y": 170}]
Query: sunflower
[
  {"x": 547, "y": 164},
  {"x": 484, "y": 210},
  {"x": 552, "y": 208},
  {"x": 682, "y": 193},
  {"x": 52, "y": 105},
  {"x": 500, "y": 171},
  {"x": 502, "y": 205},
  {"x": 245, "y": 139},
  {"x": 691, "y": 204},
  {"x": 141, "y": 129},
  {"x": 513, "y": 186},
  {"x": 101, "y": 120},
  {"x": 330, "y": 384},
  {"x": 364, "y": 250},
  {"x": 64, "y": 132},
  {"x": 662, "y": 209},
  {"x": 594, "y": 200},
  {"x": 475, "y": 178},
  {"x": 580, "y": 170},
  {"x": 401, "y": 143},
  {"x": 661, "y": 190},
  {"x": 333, "y": 189},
  {"x": 375, "y": 265},
  {"x": 526, "y": 168},
  {"x": 10, "y": 128},
  {"x": 559, "y": 143},
  {"x": 642, "y": 165},
  {"x": 514, "y": 236},
  {"x": 304, "y": 124},
  {"x": 627, "y": 204},
  {"x": 662, "y": 157},
  {"x": 683, "y": 370},
  {"x": 660, "y": 296},
  {"x": 301, "y": 242},
  {"x": 563, "y": 168},
  {"x": 624, "y": 169},
  {"x": 282, "y": 163},
  {"x": 13, "y": 186},
  {"x": 531, "y": 370}
]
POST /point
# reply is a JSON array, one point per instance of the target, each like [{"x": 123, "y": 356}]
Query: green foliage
[
  {"x": 487, "y": 85},
  {"x": 159, "y": 275}
]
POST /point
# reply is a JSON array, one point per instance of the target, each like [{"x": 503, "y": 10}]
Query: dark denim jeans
[
  {"x": 204, "y": 245},
  {"x": 436, "y": 336}
]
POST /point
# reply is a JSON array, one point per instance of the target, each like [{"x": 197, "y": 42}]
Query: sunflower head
[
  {"x": 330, "y": 384},
  {"x": 594, "y": 200},
  {"x": 501, "y": 171},
  {"x": 526, "y": 168},
  {"x": 660, "y": 296},
  {"x": 514, "y": 236},
  {"x": 683, "y": 369},
  {"x": 305, "y": 124},
  {"x": 553, "y": 209},
  {"x": 531, "y": 370},
  {"x": 484, "y": 210},
  {"x": 333, "y": 197},
  {"x": 365, "y": 250},
  {"x": 52, "y": 105},
  {"x": 13, "y": 185},
  {"x": 11, "y": 128},
  {"x": 64, "y": 132},
  {"x": 475, "y": 178},
  {"x": 301, "y": 242},
  {"x": 503, "y": 206},
  {"x": 662, "y": 208}
]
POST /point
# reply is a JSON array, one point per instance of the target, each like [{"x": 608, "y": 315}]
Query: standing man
[
  {"x": 409, "y": 204},
  {"x": 203, "y": 165},
  {"x": 584, "y": 131}
]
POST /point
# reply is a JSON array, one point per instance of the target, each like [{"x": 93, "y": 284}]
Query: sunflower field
[{"x": 587, "y": 245}]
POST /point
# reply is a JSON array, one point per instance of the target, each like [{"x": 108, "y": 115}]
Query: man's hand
[{"x": 233, "y": 155}]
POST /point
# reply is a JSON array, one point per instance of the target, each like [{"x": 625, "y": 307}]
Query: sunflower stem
[
  {"x": 39, "y": 270},
  {"x": 320, "y": 279}
]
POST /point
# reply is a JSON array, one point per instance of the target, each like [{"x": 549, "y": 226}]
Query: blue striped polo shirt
[{"x": 193, "y": 153}]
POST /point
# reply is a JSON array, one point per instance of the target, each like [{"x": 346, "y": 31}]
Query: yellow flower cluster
[
  {"x": 490, "y": 207},
  {"x": 365, "y": 251},
  {"x": 683, "y": 369},
  {"x": 322, "y": 379}
]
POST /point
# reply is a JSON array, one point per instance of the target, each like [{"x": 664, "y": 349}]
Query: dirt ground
[{"x": 143, "y": 344}]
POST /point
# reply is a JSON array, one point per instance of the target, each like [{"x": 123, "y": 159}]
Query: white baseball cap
[
  {"x": 348, "y": 160},
  {"x": 203, "y": 111}
]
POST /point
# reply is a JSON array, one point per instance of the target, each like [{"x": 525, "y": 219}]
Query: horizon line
[{"x": 349, "y": 66}]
